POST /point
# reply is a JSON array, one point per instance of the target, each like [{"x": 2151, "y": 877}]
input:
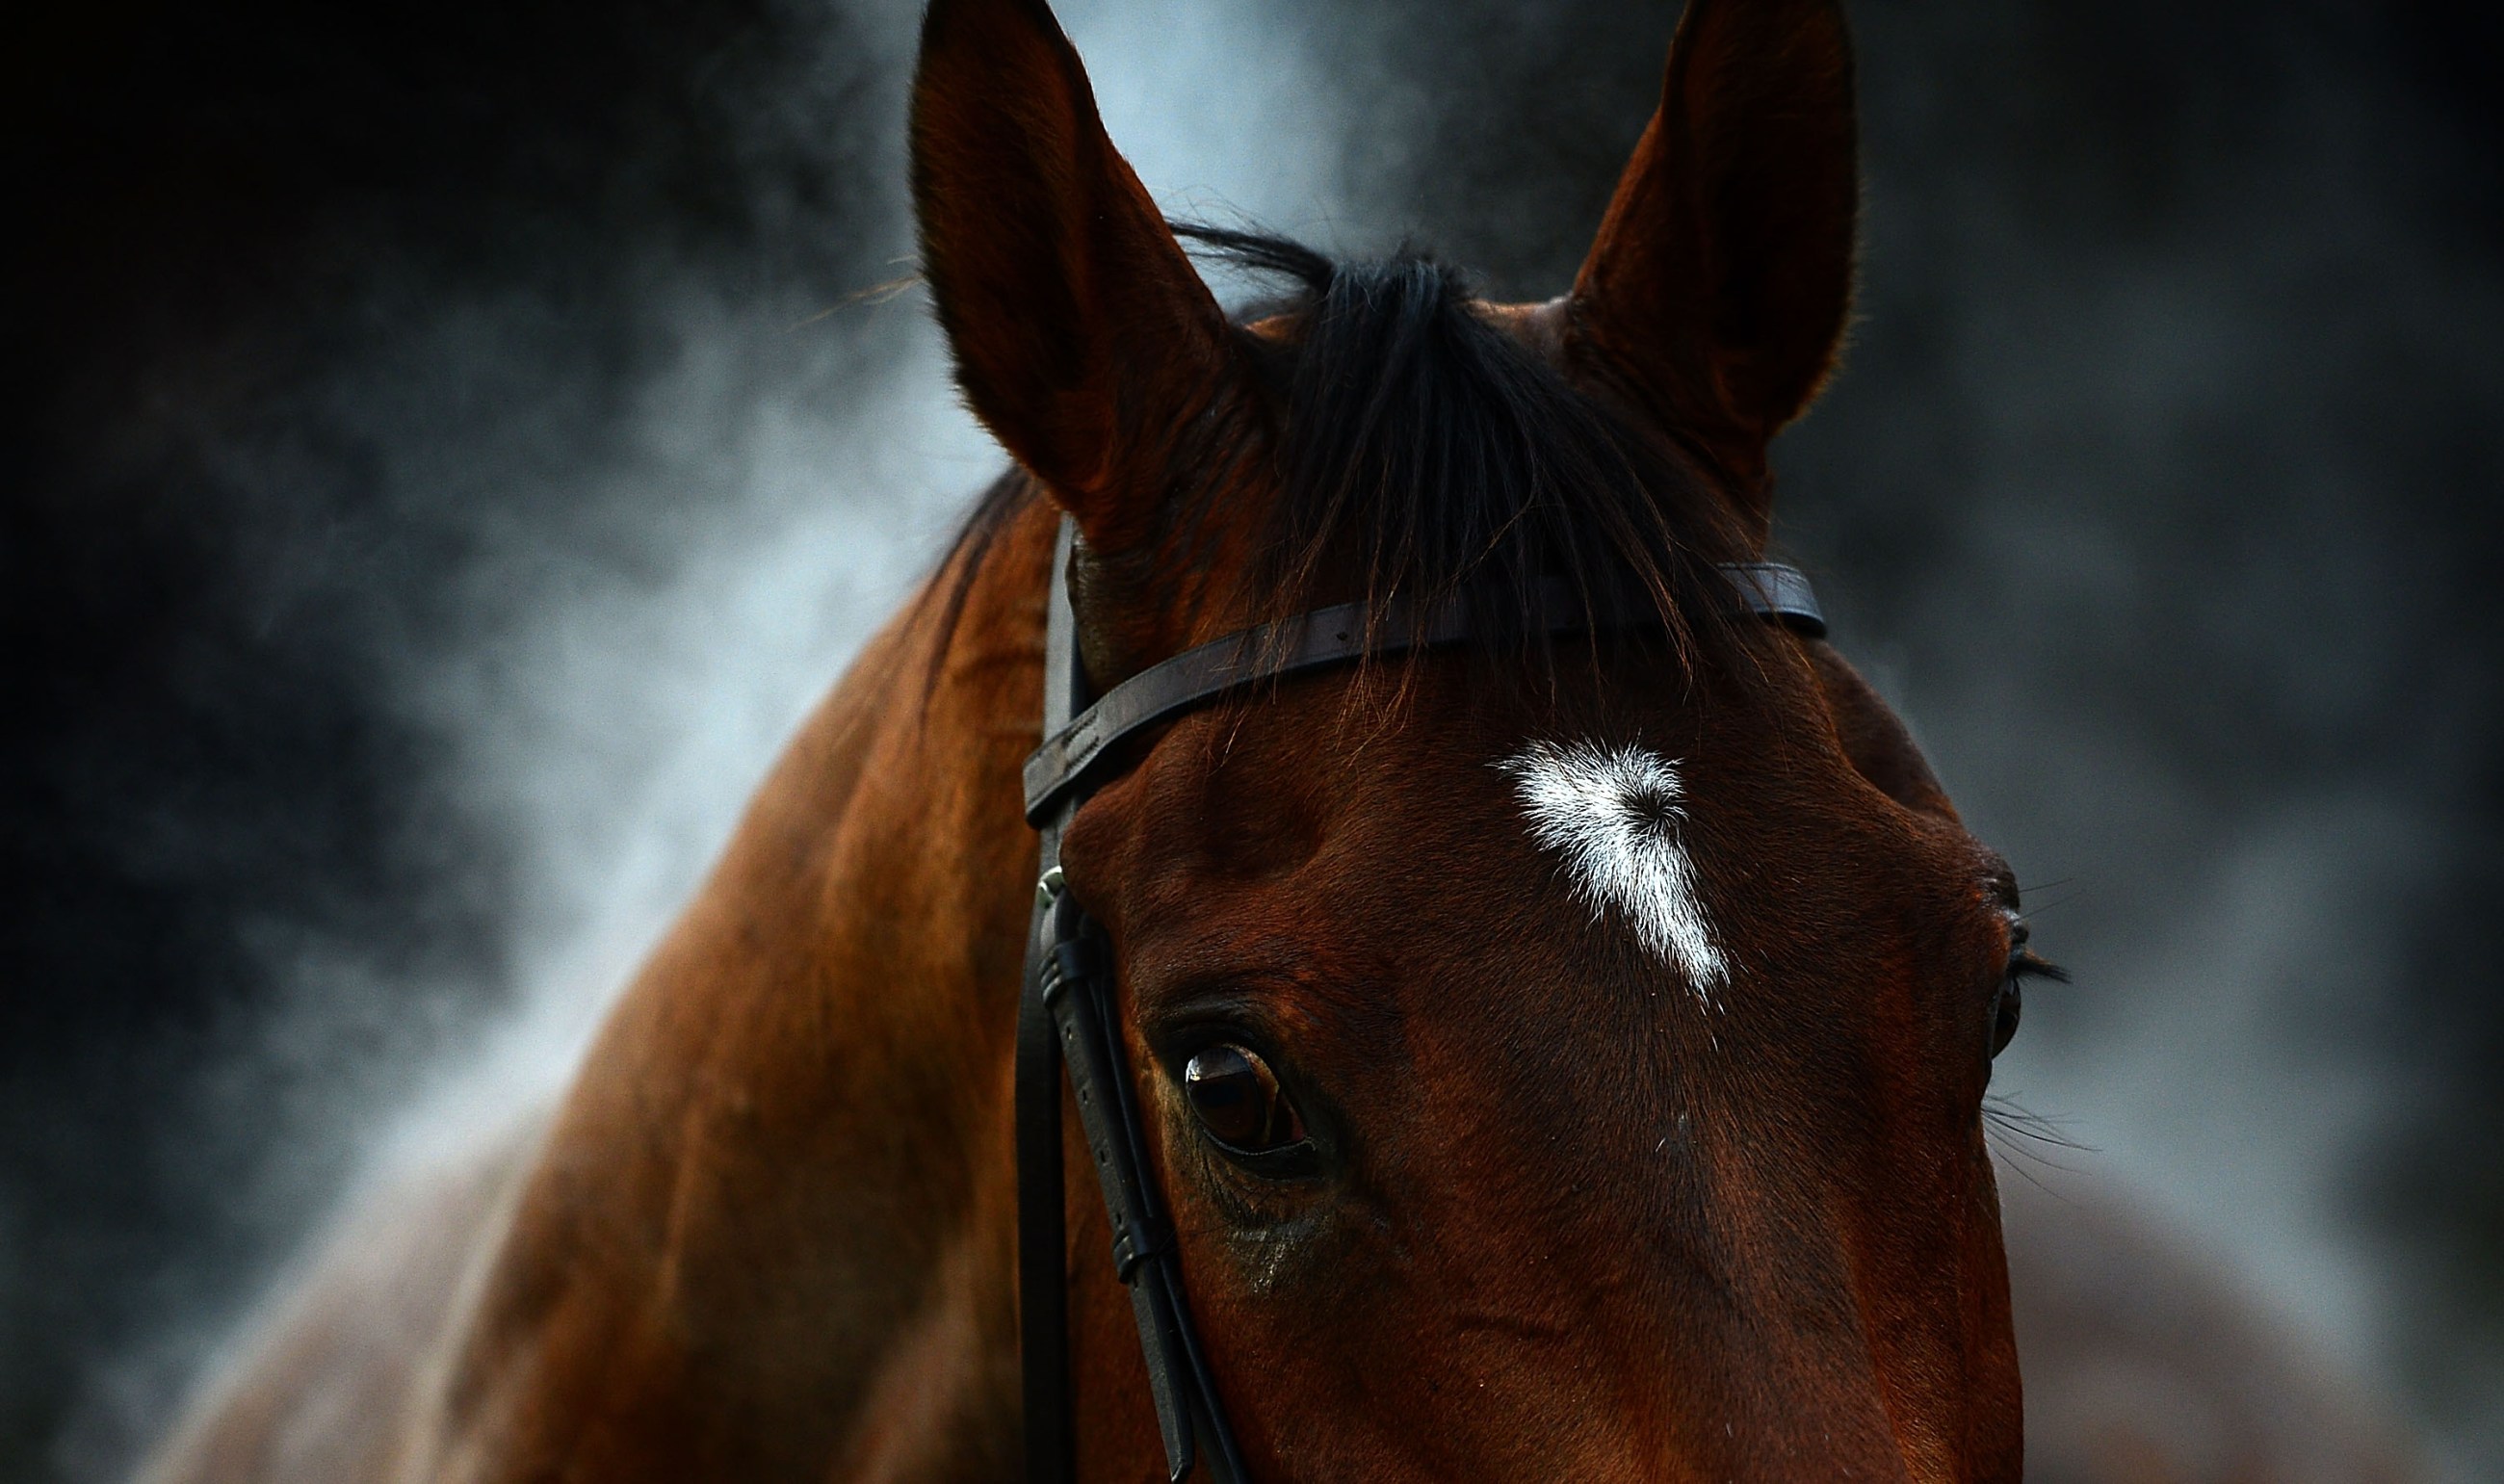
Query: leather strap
[
  {"x": 1043, "y": 1279},
  {"x": 1067, "y": 1015},
  {"x": 1077, "y": 979},
  {"x": 1334, "y": 635}
]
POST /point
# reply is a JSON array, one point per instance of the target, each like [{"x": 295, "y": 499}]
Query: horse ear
[
  {"x": 1720, "y": 285},
  {"x": 1082, "y": 336}
]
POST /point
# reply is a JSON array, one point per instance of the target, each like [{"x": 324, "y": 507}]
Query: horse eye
[
  {"x": 2010, "y": 1002},
  {"x": 1237, "y": 1100},
  {"x": 2004, "y": 1013}
]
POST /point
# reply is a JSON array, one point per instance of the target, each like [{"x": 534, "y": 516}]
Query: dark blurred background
[{"x": 446, "y": 447}]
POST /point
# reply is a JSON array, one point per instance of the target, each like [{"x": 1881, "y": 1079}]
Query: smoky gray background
[{"x": 449, "y": 448}]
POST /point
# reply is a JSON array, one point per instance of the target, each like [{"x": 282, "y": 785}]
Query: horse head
[{"x": 1561, "y": 1056}]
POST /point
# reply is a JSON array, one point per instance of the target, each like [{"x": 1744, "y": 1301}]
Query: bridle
[{"x": 1066, "y": 1016}]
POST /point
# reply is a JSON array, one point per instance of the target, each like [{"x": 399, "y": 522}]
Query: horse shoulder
[
  {"x": 762, "y": 1239},
  {"x": 321, "y": 1386}
]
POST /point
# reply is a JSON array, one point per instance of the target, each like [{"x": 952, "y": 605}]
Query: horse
[{"x": 1555, "y": 1034}]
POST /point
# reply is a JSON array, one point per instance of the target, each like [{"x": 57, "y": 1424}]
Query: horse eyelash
[{"x": 2028, "y": 964}]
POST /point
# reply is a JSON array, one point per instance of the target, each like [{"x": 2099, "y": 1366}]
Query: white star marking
[{"x": 1614, "y": 816}]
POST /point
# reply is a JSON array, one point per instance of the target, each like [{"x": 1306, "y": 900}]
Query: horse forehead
[
  {"x": 1264, "y": 784},
  {"x": 1661, "y": 831},
  {"x": 1616, "y": 817},
  {"x": 1261, "y": 788}
]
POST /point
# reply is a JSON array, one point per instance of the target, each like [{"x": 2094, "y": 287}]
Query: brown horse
[{"x": 1563, "y": 1056}]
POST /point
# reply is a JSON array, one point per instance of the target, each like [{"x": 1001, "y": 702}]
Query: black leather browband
[{"x": 1334, "y": 636}]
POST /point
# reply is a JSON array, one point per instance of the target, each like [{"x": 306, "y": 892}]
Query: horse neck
[{"x": 785, "y": 1178}]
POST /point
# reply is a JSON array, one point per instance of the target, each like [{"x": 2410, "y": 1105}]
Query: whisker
[
  {"x": 2014, "y": 1161},
  {"x": 2023, "y": 1136},
  {"x": 2030, "y": 913}
]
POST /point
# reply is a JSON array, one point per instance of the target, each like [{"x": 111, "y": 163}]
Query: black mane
[{"x": 1426, "y": 456}]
